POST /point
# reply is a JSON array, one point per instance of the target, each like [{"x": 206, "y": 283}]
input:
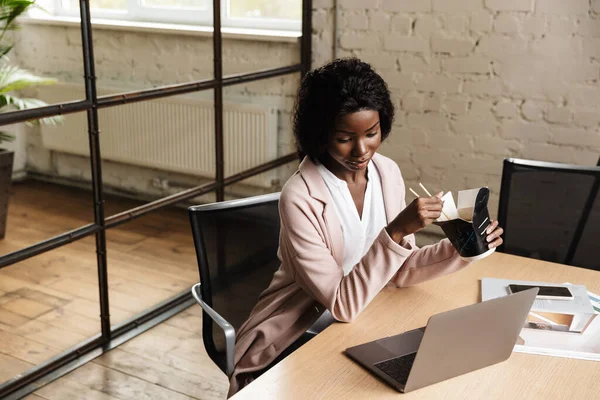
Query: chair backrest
[
  {"x": 550, "y": 211},
  {"x": 236, "y": 247}
]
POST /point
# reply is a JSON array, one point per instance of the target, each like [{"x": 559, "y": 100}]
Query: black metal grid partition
[{"x": 112, "y": 336}]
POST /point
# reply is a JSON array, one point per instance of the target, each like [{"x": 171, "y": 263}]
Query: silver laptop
[{"x": 453, "y": 343}]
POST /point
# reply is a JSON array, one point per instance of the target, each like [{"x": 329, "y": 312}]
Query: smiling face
[{"x": 354, "y": 141}]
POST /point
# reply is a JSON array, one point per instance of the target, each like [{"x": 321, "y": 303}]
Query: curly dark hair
[{"x": 341, "y": 87}]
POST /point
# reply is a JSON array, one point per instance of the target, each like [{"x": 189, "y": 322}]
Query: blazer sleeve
[
  {"x": 303, "y": 242},
  {"x": 427, "y": 262}
]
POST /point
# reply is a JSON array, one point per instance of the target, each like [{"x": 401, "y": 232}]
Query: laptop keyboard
[{"x": 397, "y": 368}]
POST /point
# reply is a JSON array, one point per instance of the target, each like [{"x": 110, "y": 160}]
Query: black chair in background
[
  {"x": 551, "y": 212},
  {"x": 236, "y": 246}
]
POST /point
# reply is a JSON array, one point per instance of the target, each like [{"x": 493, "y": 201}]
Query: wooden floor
[
  {"x": 166, "y": 362},
  {"x": 49, "y": 303}
]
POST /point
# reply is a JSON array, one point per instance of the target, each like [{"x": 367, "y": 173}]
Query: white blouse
[{"x": 359, "y": 234}]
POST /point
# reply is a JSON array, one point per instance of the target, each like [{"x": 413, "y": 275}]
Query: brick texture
[
  {"x": 570, "y": 7},
  {"x": 473, "y": 80},
  {"x": 509, "y": 5},
  {"x": 406, "y": 5},
  {"x": 132, "y": 61},
  {"x": 479, "y": 80}
]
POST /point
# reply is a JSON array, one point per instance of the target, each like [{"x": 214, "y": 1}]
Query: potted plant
[{"x": 12, "y": 80}]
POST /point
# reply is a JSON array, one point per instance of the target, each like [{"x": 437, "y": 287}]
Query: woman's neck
[{"x": 346, "y": 175}]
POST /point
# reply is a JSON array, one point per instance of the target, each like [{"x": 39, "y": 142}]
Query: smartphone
[{"x": 545, "y": 292}]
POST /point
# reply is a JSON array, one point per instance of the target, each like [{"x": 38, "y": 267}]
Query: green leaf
[
  {"x": 9, "y": 11},
  {"x": 5, "y": 49},
  {"x": 14, "y": 78},
  {"x": 6, "y": 137}
]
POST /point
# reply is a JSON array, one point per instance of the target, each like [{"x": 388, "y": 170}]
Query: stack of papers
[
  {"x": 576, "y": 313},
  {"x": 584, "y": 345}
]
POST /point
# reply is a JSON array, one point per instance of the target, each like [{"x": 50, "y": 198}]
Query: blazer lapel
[
  {"x": 392, "y": 191},
  {"x": 392, "y": 200},
  {"x": 318, "y": 190}
]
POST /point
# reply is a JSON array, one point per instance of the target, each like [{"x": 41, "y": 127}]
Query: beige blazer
[{"x": 311, "y": 279}]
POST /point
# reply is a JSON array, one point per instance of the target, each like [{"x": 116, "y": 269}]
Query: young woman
[{"x": 346, "y": 231}]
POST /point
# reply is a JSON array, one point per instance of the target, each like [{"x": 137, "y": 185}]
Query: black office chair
[
  {"x": 236, "y": 247},
  {"x": 551, "y": 212}
]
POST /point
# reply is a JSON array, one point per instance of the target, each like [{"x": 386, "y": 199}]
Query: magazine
[{"x": 584, "y": 346}]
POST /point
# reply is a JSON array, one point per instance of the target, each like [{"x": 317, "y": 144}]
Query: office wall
[
  {"x": 134, "y": 60},
  {"x": 476, "y": 81}
]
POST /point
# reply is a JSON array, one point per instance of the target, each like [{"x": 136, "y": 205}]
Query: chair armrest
[{"x": 228, "y": 329}]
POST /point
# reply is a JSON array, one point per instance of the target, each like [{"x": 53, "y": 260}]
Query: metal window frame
[{"x": 112, "y": 336}]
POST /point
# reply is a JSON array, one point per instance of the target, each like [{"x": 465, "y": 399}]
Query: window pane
[
  {"x": 193, "y": 4},
  {"x": 97, "y": 4},
  {"x": 279, "y": 9}
]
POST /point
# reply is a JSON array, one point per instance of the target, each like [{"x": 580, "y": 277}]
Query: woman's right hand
[{"x": 416, "y": 216}]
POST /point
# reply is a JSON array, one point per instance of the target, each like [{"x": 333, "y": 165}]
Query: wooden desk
[{"x": 319, "y": 369}]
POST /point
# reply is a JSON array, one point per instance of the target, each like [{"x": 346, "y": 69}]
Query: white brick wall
[
  {"x": 438, "y": 84},
  {"x": 401, "y": 23},
  {"x": 456, "y": 24},
  {"x": 405, "y": 5},
  {"x": 353, "y": 41},
  {"x": 532, "y": 110},
  {"x": 354, "y": 20},
  {"x": 444, "y": 45},
  {"x": 509, "y": 5},
  {"x": 400, "y": 42},
  {"x": 570, "y": 7},
  {"x": 452, "y": 6},
  {"x": 133, "y": 61},
  {"x": 481, "y": 22},
  {"x": 474, "y": 80},
  {"x": 469, "y": 65},
  {"x": 506, "y": 109},
  {"x": 379, "y": 21},
  {"x": 426, "y": 25},
  {"x": 478, "y": 80},
  {"x": 507, "y": 23}
]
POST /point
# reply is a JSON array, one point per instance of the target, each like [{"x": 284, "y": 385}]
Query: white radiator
[{"x": 172, "y": 134}]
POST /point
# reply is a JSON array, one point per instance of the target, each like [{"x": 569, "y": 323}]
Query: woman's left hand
[{"x": 493, "y": 235}]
